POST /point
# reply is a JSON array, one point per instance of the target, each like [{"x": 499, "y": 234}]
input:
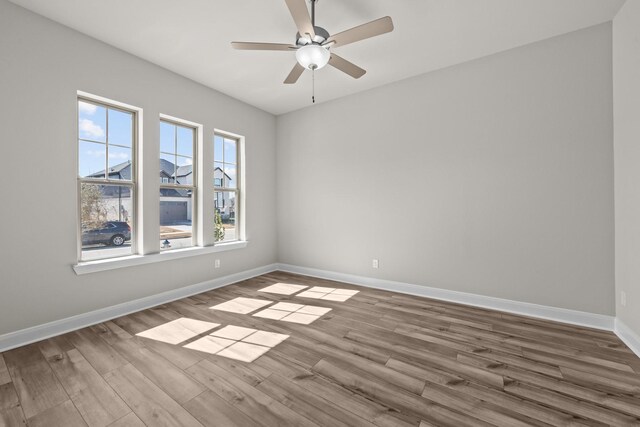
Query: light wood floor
[{"x": 377, "y": 359}]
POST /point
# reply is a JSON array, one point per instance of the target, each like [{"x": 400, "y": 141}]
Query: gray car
[{"x": 113, "y": 233}]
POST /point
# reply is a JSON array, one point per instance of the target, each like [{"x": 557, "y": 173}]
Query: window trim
[
  {"x": 196, "y": 171},
  {"x": 133, "y": 184},
  {"x": 114, "y": 263}
]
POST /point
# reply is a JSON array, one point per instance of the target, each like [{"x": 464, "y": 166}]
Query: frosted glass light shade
[{"x": 313, "y": 56}]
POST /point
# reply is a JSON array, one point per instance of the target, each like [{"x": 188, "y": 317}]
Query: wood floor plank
[
  {"x": 309, "y": 404},
  {"x": 179, "y": 356},
  {"x": 8, "y": 397},
  {"x": 626, "y": 380},
  {"x": 599, "y": 334},
  {"x": 10, "y": 411},
  {"x": 387, "y": 394},
  {"x": 437, "y": 316},
  {"x": 400, "y": 379},
  {"x": 101, "y": 356},
  {"x": 299, "y": 352},
  {"x": 110, "y": 332},
  {"x": 152, "y": 405},
  {"x": 212, "y": 410},
  {"x": 444, "y": 417},
  {"x": 543, "y": 367},
  {"x": 55, "y": 346},
  {"x": 595, "y": 355},
  {"x": 529, "y": 409},
  {"x": 456, "y": 342},
  {"x": 623, "y": 404},
  {"x": 12, "y": 417},
  {"x": 375, "y": 412},
  {"x": 279, "y": 364},
  {"x": 130, "y": 325},
  {"x": 96, "y": 401},
  {"x": 431, "y": 374},
  {"x": 396, "y": 344},
  {"x": 321, "y": 342},
  {"x": 62, "y": 415},
  {"x": 159, "y": 370},
  {"x": 37, "y": 386},
  {"x": 129, "y": 420},
  {"x": 445, "y": 363},
  {"x": 252, "y": 374},
  {"x": 574, "y": 406},
  {"x": 590, "y": 379},
  {"x": 472, "y": 406},
  {"x": 254, "y": 403},
  {"x": 4, "y": 372}
]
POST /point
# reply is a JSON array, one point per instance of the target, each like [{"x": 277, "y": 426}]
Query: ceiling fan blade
[
  {"x": 294, "y": 75},
  {"x": 346, "y": 67},
  {"x": 300, "y": 15},
  {"x": 361, "y": 32},
  {"x": 261, "y": 46}
]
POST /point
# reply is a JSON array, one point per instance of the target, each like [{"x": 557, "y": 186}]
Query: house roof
[
  {"x": 220, "y": 169},
  {"x": 123, "y": 169},
  {"x": 166, "y": 167},
  {"x": 184, "y": 170}
]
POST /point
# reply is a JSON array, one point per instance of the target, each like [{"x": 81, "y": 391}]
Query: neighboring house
[
  {"x": 225, "y": 201},
  {"x": 175, "y": 203}
]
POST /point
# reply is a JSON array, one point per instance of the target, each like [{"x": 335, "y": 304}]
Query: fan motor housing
[{"x": 321, "y": 36}]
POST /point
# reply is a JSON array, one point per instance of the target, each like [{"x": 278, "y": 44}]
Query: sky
[{"x": 93, "y": 133}]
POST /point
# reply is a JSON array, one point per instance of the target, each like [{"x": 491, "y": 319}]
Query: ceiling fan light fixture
[{"x": 313, "y": 56}]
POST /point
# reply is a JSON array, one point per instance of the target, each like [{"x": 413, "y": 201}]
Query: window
[
  {"x": 226, "y": 189},
  {"x": 177, "y": 185},
  {"x": 107, "y": 179},
  {"x": 191, "y": 213}
]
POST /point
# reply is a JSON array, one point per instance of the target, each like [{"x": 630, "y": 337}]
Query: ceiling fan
[{"x": 313, "y": 43}]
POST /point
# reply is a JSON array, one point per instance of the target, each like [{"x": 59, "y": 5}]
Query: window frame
[
  {"x": 239, "y": 187},
  {"x": 195, "y": 179},
  {"x": 132, "y": 184},
  {"x": 144, "y": 249}
]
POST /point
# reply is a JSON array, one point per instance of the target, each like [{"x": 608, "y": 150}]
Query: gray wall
[
  {"x": 493, "y": 177},
  {"x": 626, "y": 72},
  {"x": 42, "y": 65}
]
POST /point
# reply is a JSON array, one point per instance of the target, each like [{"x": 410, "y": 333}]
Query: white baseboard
[
  {"x": 574, "y": 317},
  {"x": 57, "y": 327},
  {"x": 598, "y": 321},
  {"x": 629, "y": 337}
]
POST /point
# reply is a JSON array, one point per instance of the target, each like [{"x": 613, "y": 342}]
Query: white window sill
[{"x": 133, "y": 260}]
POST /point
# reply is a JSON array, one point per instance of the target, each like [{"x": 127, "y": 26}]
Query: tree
[
  {"x": 219, "y": 232},
  {"x": 93, "y": 209}
]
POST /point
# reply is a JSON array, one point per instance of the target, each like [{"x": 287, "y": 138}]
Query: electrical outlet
[
  {"x": 375, "y": 264},
  {"x": 623, "y": 298},
  {"x": 216, "y": 264}
]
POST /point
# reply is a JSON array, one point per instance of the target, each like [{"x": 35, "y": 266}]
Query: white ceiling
[{"x": 192, "y": 38}]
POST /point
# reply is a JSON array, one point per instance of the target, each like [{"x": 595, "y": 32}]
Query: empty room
[{"x": 320, "y": 213}]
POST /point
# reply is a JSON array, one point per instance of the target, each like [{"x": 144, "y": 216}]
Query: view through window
[
  {"x": 106, "y": 172},
  {"x": 177, "y": 185},
  {"x": 225, "y": 175}
]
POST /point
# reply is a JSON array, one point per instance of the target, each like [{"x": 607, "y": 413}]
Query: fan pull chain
[{"x": 313, "y": 86}]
